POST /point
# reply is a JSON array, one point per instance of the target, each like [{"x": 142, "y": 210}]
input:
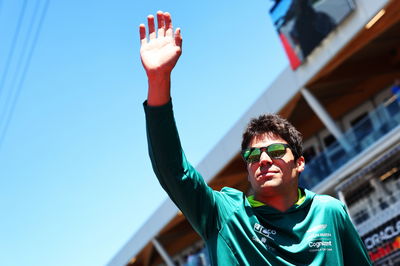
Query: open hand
[{"x": 160, "y": 52}]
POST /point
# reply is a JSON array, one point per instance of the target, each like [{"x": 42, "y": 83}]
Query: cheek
[
  {"x": 251, "y": 172},
  {"x": 251, "y": 168}
]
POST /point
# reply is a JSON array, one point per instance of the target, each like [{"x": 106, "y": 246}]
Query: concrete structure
[{"x": 341, "y": 100}]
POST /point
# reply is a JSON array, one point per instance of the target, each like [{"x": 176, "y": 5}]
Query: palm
[{"x": 160, "y": 54}]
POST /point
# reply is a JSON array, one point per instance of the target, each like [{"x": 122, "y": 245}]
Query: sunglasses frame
[{"x": 262, "y": 149}]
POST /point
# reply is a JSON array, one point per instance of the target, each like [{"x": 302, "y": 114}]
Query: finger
[
  {"x": 178, "y": 37},
  {"x": 160, "y": 23},
  {"x": 150, "y": 22},
  {"x": 168, "y": 24},
  {"x": 142, "y": 33}
]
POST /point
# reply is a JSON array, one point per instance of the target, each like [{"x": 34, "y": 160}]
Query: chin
[{"x": 269, "y": 185}]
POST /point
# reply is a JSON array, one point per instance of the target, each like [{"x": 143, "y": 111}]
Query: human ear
[{"x": 300, "y": 163}]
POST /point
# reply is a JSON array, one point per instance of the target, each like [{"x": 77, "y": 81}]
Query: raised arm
[
  {"x": 159, "y": 53},
  {"x": 185, "y": 186}
]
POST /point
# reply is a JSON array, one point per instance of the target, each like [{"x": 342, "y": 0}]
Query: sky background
[{"x": 75, "y": 179}]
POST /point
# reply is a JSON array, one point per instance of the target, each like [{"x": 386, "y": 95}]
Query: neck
[{"x": 281, "y": 202}]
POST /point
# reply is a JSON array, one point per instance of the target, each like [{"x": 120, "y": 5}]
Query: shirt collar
[{"x": 255, "y": 203}]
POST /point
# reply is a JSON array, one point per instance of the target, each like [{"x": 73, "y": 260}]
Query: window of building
[
  {"x": 309, "y": 153},
  {"x": 329, "y": 140},
  {"x": 359, "y": 193},
  {"x": 360, "y": 216},
  {"x": 310, "y": 149},
  {"x": 362, "y": 126}
]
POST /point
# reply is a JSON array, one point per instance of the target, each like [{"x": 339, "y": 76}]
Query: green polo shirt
[{"x": 239, "y": 231}]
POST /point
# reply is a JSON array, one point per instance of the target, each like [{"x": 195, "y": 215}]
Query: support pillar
[
  {"x": 326, "y": 119},
  {"x": 163, "y": 253},
  {"x": 343, "y": 200}
]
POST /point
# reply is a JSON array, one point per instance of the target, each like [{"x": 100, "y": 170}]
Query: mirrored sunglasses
[{"x": 274, "y": 151}]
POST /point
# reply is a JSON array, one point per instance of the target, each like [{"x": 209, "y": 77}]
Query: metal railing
[{"x": 364, "y": 133}]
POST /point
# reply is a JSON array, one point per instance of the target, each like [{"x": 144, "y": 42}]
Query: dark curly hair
[{"x": 276, "y": 125}]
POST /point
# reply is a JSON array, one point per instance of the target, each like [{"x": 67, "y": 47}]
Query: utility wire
[
  {"x": 13, "y": 44},
  {"x": 24, "y": 72},
  {"x": 19, "y": 64}
]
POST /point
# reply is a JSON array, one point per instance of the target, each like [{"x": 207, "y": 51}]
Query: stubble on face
[{"x": 273, "y": 177}]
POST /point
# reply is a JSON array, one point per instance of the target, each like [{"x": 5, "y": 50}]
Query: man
[{"x": 280, "y": 224}]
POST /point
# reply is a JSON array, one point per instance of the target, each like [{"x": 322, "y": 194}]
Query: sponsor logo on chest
[
  {"x": 317, "y": 238},
  {"x": 265, "y": 234}
]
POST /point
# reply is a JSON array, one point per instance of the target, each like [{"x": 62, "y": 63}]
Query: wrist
[{"x": 159, "y": 89}]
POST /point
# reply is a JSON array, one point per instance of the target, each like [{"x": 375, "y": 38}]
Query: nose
[{"x": 264, "y": 158}]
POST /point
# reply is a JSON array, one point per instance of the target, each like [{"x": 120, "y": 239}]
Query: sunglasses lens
[
  {"x": 276, "y": 151},
  {"x": 254, "y": 156}
]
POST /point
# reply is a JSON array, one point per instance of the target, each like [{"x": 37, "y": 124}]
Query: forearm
[{"x": 164, "y": 145}]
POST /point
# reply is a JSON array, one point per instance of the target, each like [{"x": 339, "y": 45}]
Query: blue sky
[{"x": 75, "y": 178}]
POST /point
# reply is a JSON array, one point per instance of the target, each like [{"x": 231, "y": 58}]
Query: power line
[
  {"x": 24, "y": 72},
  {"x": 24, "y": 49},
  {"x": 13, "y": 45}
]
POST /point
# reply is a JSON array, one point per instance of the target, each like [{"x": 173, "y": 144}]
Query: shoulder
[
  {"x": 231, "y": 198},
  {"x": 229, "y": 201},
  {"x": 326, "y": 199},
  {"x": 231, "y": 194},
  {"x": 328, "y": 204},
  {"x": 330, "y": 208}
]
